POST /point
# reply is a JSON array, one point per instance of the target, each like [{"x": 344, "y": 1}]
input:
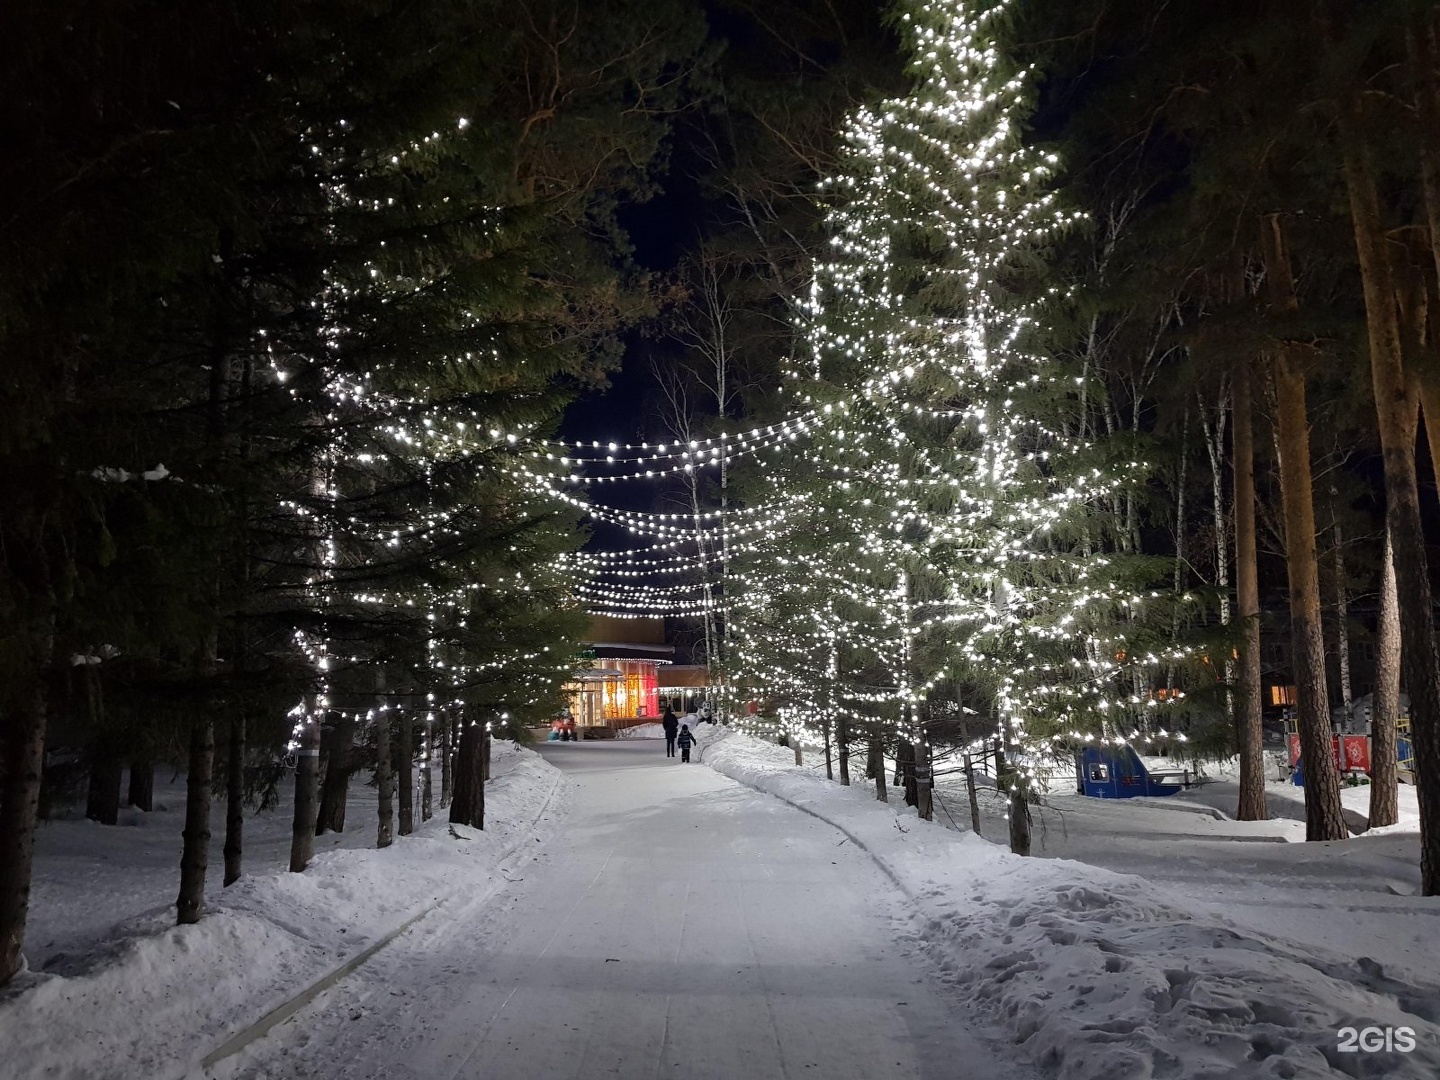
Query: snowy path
[{"x": 682, "y": 925}]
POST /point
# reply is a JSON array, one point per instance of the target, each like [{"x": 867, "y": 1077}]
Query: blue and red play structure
[
  {"x": 1352, "y": 754},
  {"x": 1118, "y": 772}
]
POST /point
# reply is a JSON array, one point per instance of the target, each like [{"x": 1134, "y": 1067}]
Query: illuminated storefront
[
  {"x": 616, "y": 690},
  {"x": 627, "y": 661}
]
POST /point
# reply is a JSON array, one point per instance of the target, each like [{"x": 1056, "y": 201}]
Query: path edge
[
  {"x": 884, "y": 867},
  {"x": 290, "y": 1006}
]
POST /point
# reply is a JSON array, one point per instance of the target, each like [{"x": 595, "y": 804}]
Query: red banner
[
  {"x": 1355, "y": 752},
  {"x": 1352, "y": 752}
]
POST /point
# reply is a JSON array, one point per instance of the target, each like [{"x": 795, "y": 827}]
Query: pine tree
[
  {"x": 287, "y": 276},
  {"x": 1205, "y": 105},
  {"x": 940, "y": 434}
]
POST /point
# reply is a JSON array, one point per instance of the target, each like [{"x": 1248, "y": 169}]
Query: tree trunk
[
  {"x": 842, "y": 738},
  {"x": 1019, "y": 822},
  {"x": 336, "y": 787},
  {"x": 1012, "y": 781},
  {"x": 102, "y": 801},
  {"x": 1178, "y": 574},
  {"x": 234, "y": 850},
  {"x": 235, "y": 798},
  {"x": 974, "y": 797},
  {"x": 1220, "y": 521},
  {"x": 405, "y": 769},
  {"x": 200, "y": 768},
  {"x": 1215, "y": 451},
  {"x": 829, "y": 767},
  {"x": 427, "y": 758},
  {"x": 447, "y": 760},
  {"x": 1425, "y": 66},
  {"x": 1395, "y": 408},
  {"x": 1430, "y": 402},
  {"x": 195, "y": 851},
  {"x": 1342, "y": 630},
  {"x": 1385, "y": 702},
  {"x": 924, "y": 784},
  {"x": 1249, "y": 729},
  {"x": 141, "y": 793},
  {"x": 462, "y": 796},
  {"x": 467, "y": 804},
  {"x": 22, "y": 739},
  {"x": 1323, "y": 817},
  {"x": 307, "y": 777},
  {"x": 384, "y": 778},
  {"x": 693, "y": 480},
  {"x": 875, "y": 766},
  {"x": 905, "y": 766},
  {"x": 477, "y": 814}
]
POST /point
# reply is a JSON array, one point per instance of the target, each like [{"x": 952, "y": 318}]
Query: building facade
[{"x": 622, "y": 686}]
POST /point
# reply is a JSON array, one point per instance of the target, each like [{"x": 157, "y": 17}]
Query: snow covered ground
[
  {"x": 681, "y": 925},
  {"x": 671, "y": 923},
  {"x": 117, "y": 992},
  {"x": 1356, "y": 896},
  {"x": 1189, "y": 974}
]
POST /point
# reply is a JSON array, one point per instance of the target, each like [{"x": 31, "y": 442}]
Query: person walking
[
  {"x": 686, "y": 740},
  {"x": 671, "y": 723}
]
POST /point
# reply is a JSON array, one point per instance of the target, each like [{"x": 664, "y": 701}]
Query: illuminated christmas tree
[{"x": 940, "y": 529}]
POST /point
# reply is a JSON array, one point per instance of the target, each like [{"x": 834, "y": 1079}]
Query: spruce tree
[
  {"x": 244, "y": 251},
  {"x": 941, "y": 433}
]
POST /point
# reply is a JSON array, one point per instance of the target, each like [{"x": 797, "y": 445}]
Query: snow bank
[
  {"x": 643, "y": 731},
  {"x": 1286, "y": 801},
  {"x": 1105, "y": 975},
  {"x": 150, "y": 1005}
]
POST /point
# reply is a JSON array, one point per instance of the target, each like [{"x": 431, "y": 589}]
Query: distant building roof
[
  {"x": 683, "y": 675},
  {"x": 611, "y": 648},
  {"x": 608, "y": 628}
]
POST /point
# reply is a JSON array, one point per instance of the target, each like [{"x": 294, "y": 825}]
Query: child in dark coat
[{"x": 685, "y": 740}]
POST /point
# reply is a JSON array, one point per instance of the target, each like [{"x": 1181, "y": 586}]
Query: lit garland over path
[{"x": 937, "y": 534}]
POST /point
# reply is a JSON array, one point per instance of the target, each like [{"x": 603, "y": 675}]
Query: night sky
[{"x": 662, "y": 231}]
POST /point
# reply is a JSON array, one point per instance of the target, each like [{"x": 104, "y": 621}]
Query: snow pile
[
  {"x": 1105, "y": 975},
  {"x": 1285, "y": 800},
  {"x": 151, "y": 1004},
  {"x": 643, "y": 731}
]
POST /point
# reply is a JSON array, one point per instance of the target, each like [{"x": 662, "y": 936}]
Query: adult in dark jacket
[
  {"x": 671, "y": 723},
  {"x": 686, "y": 740}
]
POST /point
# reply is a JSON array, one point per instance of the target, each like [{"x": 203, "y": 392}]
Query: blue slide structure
[{"x": 1117, "y": 772}]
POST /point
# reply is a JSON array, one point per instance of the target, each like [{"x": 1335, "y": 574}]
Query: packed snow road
[{"x": 678, "y": 925}]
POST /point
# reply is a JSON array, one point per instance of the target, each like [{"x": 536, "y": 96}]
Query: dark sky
[
  {"x": 662, "y": 230},
  {"x": 624, "y": 412},
  {"x": 833, "y": 47},
  {"x": 821, "y": 50}
]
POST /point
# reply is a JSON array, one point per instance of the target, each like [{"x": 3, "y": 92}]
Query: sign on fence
[{"x": 1351, "y": 752}]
